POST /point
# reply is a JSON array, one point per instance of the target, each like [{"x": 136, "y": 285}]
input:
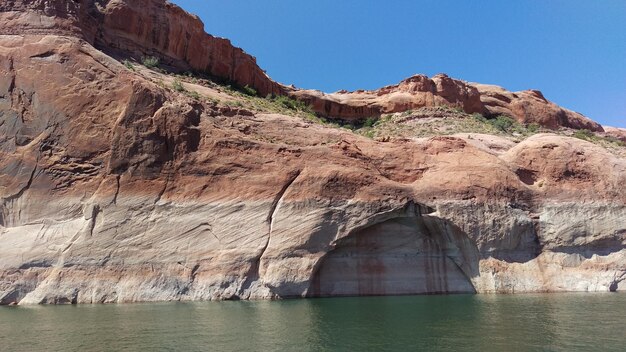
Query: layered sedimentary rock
[
  {"x": 114, "y": 188},
  {"x": 138, "y": 28},
  {"x": 530, "y": 106},
  {"x": 418, "y": 91},
  {"x": 159, "y": 28},
  {"x": 414, "y": 92}
]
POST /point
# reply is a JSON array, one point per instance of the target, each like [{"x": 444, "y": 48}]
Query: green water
[{"x": 558, "y": 322}]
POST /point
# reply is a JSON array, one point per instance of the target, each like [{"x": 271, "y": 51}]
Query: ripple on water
[{"x": 534, "y": 322}]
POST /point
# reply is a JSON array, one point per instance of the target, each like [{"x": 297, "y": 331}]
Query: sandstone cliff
[
  {"x": 157, "y": 27},
  {"x": 114, "y": 187},
  {"x": 138, "y": 28},
  {"x": 420, "y": 91}
]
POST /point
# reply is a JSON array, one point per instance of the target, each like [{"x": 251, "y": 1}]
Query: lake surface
[{"x": 556, "y": 322}]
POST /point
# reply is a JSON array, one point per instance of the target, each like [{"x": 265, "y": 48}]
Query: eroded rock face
[
  {"x": 409, "y": 255},
  {"x": 420, "y": 91},
  {"x": 415, "y": 92},
  {"x": 159, "y": 28},
  {"x": 139, "y": 28},
  {"x": 530, "y": 106},
  {"x": 619, "y": 133},
  {"x": 116, "y": 189}
]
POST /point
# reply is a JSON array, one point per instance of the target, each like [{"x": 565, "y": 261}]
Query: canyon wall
[
  {"x": 114, "y": 188},
  {"x": 136, "y": 29},
  {"x": 158, "y": 28}
]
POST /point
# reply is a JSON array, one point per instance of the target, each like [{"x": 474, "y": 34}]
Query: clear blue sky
[{"x": 572, "y": 50}]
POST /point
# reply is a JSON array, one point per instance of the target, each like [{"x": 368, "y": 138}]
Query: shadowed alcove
[{"x": 401, "y": 256}]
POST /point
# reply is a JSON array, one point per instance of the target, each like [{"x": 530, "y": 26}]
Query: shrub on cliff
[
  {"x": 585, "y": 135},
  {"x": 479, "y": 117},
  {"x": 249, "y": 91},
  {"x": 503, "y": 123},
  {"x": 507, "y": 124},
  {"x": 370, "y": 122},
  {"x": 129, "y": 65},
  {"x": 150, "y": 61},
  {"x": 615, "y": 141},
  {"x": 533, "y": 127},
  {"x": 177, "y": 85},
  {"x": 194, "y": 95},
  {"x": 606, "y": 141},
  {"x": 292, "y": 104}
]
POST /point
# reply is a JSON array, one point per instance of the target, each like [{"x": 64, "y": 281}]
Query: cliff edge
[{"x": 122, "y": 183}]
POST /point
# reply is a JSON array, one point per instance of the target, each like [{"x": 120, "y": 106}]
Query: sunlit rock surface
[{"x": 114, "y": 188}]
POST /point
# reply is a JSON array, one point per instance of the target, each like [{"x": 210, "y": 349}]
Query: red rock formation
[
  {"x": 414, "y": 92},
  {"x": 530, "y": 106},
  {"x": 420, "y": 91},
  {"x": 139, "y": 28},
  {"x": 619, "y": 133},
  {"x": 164, "y": 29},
  {"x": 159, "y": 28},
  {"x": 114, "y": 188}
]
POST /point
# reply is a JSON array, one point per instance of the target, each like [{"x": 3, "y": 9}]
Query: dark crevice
[
  {"x": 192, "y": 279},
  {"x": 117, "y": 190},
  {"x": 162, "y": 192},
  {"x": 194, "y": 272},
  {"x": 254, "y": 274},
  {"x": 274, "y": 207},
  {"x": 11, "y": 87},
  {"x": 43, "y": 55},
  {"x": 279, "y": 196},
  {"x": 42, "y": 263},
  {"x": 74, "y": 299},
  {"x": 12, "y": 297},
  {"x": 528, "y": 177},
  {"x": 94, "y": 216}
]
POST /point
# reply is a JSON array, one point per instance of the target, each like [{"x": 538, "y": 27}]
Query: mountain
[{"x": 142, "y": 159}]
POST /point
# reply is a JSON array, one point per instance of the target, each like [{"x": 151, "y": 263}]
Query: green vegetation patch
[
  {"x": 150, "y": 62},
  {"x": 129, "y": 65},
  {"x": 507, "y": 125},
  {"x": 249, "y": 91},
  {"x": 290, "y": 103},
  {"x": 442, "y": 120},
  {"x": 585, "y": 135},
  {"x": 589, "y": 136},
  {"x": 177, "y": 85}
]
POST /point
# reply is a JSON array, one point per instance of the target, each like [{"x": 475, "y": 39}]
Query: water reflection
[{"x": 573, "y": 322}]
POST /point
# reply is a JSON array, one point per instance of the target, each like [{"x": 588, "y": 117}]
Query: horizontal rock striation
[{"x": 114, "y": 188}]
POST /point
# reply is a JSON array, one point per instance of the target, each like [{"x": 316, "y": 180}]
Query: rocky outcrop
[
  {"x": 530, "y": 106},
  {"x": 139, "y": 28},
  {"x": 420, "y": 91},
  {"x": 619, "y": 133},
  {"x": 114, "y": 188},
  {"x": 159, "y": 28},
  {"x": 415, "y": 92}
]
